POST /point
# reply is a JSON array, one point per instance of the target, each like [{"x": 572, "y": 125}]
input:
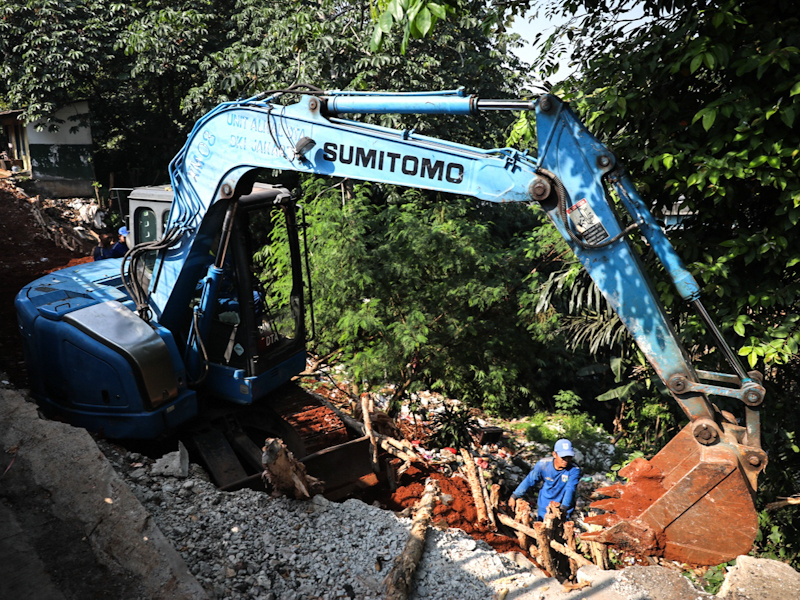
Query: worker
[
  {"x": 121, "y": 247},
  {"x": 103, "y": 249},
  {"x": 559, "y": 476}
]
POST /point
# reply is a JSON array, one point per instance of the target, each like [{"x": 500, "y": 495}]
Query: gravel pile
[{"x": 245, "y": 544}]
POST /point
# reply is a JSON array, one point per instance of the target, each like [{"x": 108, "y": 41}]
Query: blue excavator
[{"x": 183, "y": 327}]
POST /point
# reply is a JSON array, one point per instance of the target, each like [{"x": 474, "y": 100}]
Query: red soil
[{"x": 459, "y": 513}]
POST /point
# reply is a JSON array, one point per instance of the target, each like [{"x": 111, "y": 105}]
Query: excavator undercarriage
[{"x": 230, "y": 443}]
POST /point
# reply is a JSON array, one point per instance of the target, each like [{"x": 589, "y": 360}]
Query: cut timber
[
  {"x": 572, "y": 554},
  {"x": 569, "y": 539},
  {"x": 398, "y": 581},
  {"x": 598, "y": 550},
  {"x": 392, "y": 449},
  {"x": 539, "y": 532},
  {"x": 783, "y": 503},
  {"x": 494, "y": 496},
  {"x": 286, "y": 474},
  {"x": 368, "y": 429},
  {"x": 544, "y": 536},
  {"x": 403, "y": 446},
  {"x": 523, "y": 516},
  {"x": 486, "y": 500},
  {"x": 474, "y": 485}
]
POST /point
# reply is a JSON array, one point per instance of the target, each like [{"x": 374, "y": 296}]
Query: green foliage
[
  {"x": 711, "y": 581},
  {"x": 421, "y": 289},
  {"x": 778, "y": 537},
  {"x": 629, "y": 458},
  {"x": 567, "y": 402},
  {"x": 416, "y": 17},
  {"x": 453, "y": 427},
  {"x": 546, "y": 428}
]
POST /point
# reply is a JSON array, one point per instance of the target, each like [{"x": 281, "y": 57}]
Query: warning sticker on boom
[{"x": 586, "y": 222}]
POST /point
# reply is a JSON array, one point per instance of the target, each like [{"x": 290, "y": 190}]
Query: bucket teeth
[
  {"x": 607, "y": 505},
  {"x": 604, "y": 520},
  {"x": 640, "y": 468},
  {"x": 609, "y": 491}
]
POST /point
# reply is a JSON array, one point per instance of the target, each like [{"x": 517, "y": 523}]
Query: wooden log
[
  {"x": 543, "y": 536},
  {"x": 398, "y": 581},
  {"x": 486, "y": 500},
  {"x": 573, "y": 555},
  {"x": 391, "y": 476},
  {"x": 783, "y": 503},
  {"x": 569, "y": 540},
  {"x": 474, "y": 485},
  {"x": 373, "y": 444},
  {"x": 598, "y": 550},
  {"x": 391, "y": 449},
  {"x": 406, "y": 449},
  {"x": 494, "y": 496},
  {"x": 402, "y": 445},
  {"x": 522, "y": 515}
]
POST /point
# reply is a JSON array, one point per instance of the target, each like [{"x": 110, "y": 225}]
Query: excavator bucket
[{"x": 690, "y": 503}]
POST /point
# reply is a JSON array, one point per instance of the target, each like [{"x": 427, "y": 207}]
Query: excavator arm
[{"x": 693, "y": 501}]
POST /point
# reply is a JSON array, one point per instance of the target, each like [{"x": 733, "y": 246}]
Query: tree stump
[
  {"x": 522, "y": 510},
  {"x": 286, "y": 474}
]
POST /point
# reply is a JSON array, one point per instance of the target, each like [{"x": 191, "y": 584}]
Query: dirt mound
[
  {"x": 25, "y": 254},
  {"x": 458, "y": 512}
]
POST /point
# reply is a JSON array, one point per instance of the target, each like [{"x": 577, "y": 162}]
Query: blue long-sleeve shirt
[{"x": 556, "y": 485}]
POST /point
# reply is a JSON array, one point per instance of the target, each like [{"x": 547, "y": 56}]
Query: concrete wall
[{"x": 61, "y": 160}]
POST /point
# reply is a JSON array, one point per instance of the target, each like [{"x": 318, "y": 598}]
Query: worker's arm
[
  {"x": 534, "y": 477},
  {"x": 568, "y": 500}
]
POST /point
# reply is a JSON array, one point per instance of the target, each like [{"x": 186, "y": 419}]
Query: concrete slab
[{"x": 70, "y": 503}]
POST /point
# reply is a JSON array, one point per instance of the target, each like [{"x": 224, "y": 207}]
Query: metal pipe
[
  {"x": 506, "y": 104},
  {"x": 227, "y": 228},
  {"x": 732, "y": 359},
  {"x": 753, "y": 423},
  {"x": 452, "y": 105}
]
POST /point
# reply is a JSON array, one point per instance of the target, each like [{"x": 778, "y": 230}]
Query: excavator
[{"x": 142, "y": 348}]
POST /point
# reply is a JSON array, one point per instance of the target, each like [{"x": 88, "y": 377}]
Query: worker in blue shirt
[
  {"x": 121, "y": 247},
  {"x": 559, "y": 476}
]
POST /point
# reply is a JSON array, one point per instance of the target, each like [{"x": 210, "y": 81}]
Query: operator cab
[
  {"x": 258, "y": 316},
  {"x": 255, "y": 337}
]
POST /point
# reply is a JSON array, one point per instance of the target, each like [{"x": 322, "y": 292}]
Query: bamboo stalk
[
  {"x": 368, "y": 428},
  {"x": 474, "y": 485},
  {"x": 486, "y": 500}
]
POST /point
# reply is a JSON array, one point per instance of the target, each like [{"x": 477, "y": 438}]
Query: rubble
[
  {"x": 760, "y": 579},
  {"x": 70, "y": 223},
  {"x": 174, "y": 464}
]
